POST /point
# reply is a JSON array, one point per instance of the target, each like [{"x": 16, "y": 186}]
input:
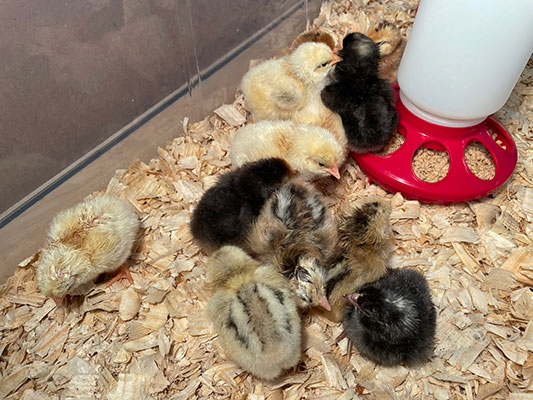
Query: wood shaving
[
  {"x": 431, "y": 165},
  {"x": 480, "y": 161},
  {"x": 153, "y": 340}
]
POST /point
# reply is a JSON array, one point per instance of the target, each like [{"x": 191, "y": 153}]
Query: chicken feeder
[{"x": 460, "y": 65}]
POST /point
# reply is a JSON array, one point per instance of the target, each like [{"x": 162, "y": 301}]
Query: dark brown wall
[{"x": 73, "y": 72}]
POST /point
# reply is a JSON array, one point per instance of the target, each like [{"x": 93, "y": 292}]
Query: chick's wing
[{"x": 288, "y": 93}]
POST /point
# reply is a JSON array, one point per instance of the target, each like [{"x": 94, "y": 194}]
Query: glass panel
[{"x": 74, "y": 73}]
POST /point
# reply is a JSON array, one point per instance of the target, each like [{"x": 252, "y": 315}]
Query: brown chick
[
  {"x": 94, "y": 237},
  {"x": 391, "y": 48},
  {"x": 253, "y": 313},
  {"x": 363, "y": 250},
  {"x": 317, "y": 36},
  {"x": 296, "y": 233},
  {"x": 277, "y": 88},
  {"x": 312, "y": 151}
]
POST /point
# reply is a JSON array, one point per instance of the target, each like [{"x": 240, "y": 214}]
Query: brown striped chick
[
  {"x": 253, "y": 313},
  {"x": 296, "y": 233},
  {"x": 91, "y": 238},
  {"x": 391, "y": 48},
  {"x": 312, "y": 151},
  {"x": 363, "y": 250}
]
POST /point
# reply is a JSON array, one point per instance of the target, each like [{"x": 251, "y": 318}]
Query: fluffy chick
[
  {"x": 308, "y": 149},
  {"x": 363, "y": 249},
  {"x": 317, "y": 36},
  {"x": 94, "y": 237},
  {"x": 277, "y": 88},
  {"x": 391, "y": 48},
  {"x": 296, "y": 233},
  {"x": 392, "y": 320},
  {"x": 226, "y": 210},
  {"x": 363, "y": 100},
  {"x": 253, "y": 313}
]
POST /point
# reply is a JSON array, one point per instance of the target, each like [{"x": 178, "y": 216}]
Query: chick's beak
[
  {"x": 334, "y": 170},
  {"x": 324, "y": 303},
  {"x": 352, "y": 298},
  {"x": 335, "y": 58}
]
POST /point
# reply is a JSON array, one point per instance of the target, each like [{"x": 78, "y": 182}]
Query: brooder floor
[{"x": 152, "y": 340}]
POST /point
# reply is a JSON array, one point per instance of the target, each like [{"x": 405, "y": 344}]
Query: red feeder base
[{"x": 394, "y": 171}]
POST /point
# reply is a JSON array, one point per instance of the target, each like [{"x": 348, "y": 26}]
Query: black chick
[
  {"x": 227, "y": 210},
  {"x": 392, "y": 320},
  {"x": 363, "y": 100}
]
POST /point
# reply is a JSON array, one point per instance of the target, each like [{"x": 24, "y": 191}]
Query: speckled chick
[
  {"x": 227, "y": 210},
  {"x": 308, "y": 149},
  {"x": 393, "y": 320},
  {"x": 253, "y": 313},
  {"x": 277, "y": 88},
  {"x": 364, "y": 101},
  {"x": 363, "y": 250},
  {"x": 94, "y": 237},
  {"x": 296, "y": 233}
]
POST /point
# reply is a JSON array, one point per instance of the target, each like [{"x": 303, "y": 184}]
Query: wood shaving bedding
[{"x": 153, "y": 340}]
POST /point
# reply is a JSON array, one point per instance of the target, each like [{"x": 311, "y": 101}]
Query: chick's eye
[
  {"x": 321, "y": 164},
  {"x": 323, "y": 64}
]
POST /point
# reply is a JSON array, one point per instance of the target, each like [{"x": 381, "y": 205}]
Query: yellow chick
[
  {"x": 296, "y": 233},
  {"x": 253, "y": 313},
  {"x": 308, "y": 149},
  {"x": 84, "y": 241},
  {"x": 363, "y": 250},
  {"x": 314, "y": 112},
  {"x": 277, "y": 88},
  {"x": 391, "y": 48}
]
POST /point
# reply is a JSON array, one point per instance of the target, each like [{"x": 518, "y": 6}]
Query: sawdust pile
[{"x": 152, "y": 340}]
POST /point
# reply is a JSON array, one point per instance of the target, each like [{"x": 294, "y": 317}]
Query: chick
[
  {"x": 296, "y": 233},
  {"x": 317, "y": 36},
  {"x": 226, "y": 211},
  {"x": 94, "y": 237},
  {"x": 393, "y": 320},
  {"x": 253, "y": 313},
  {"x": 308, "y": 149},
  {"x": 391, "y": 48},
  {"x": 363, "y": 249},
  {"x": 363, "y": 100},
  {"x": 277, "y": 88}
]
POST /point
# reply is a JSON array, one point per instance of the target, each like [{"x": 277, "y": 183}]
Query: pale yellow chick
[
  {"x": 313, "y": 111},
  {"x": 91, "y": 238},
  {"x": 254, "y": 313},
  {"x": 277, "y": 88},
  {"x": 312, "y": 151}
]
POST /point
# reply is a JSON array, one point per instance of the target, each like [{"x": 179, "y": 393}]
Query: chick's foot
[
  {"x": 122, "y": 273},
  {"x": 61, "y": 300},
  {"x": 340, "y": 338}
]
